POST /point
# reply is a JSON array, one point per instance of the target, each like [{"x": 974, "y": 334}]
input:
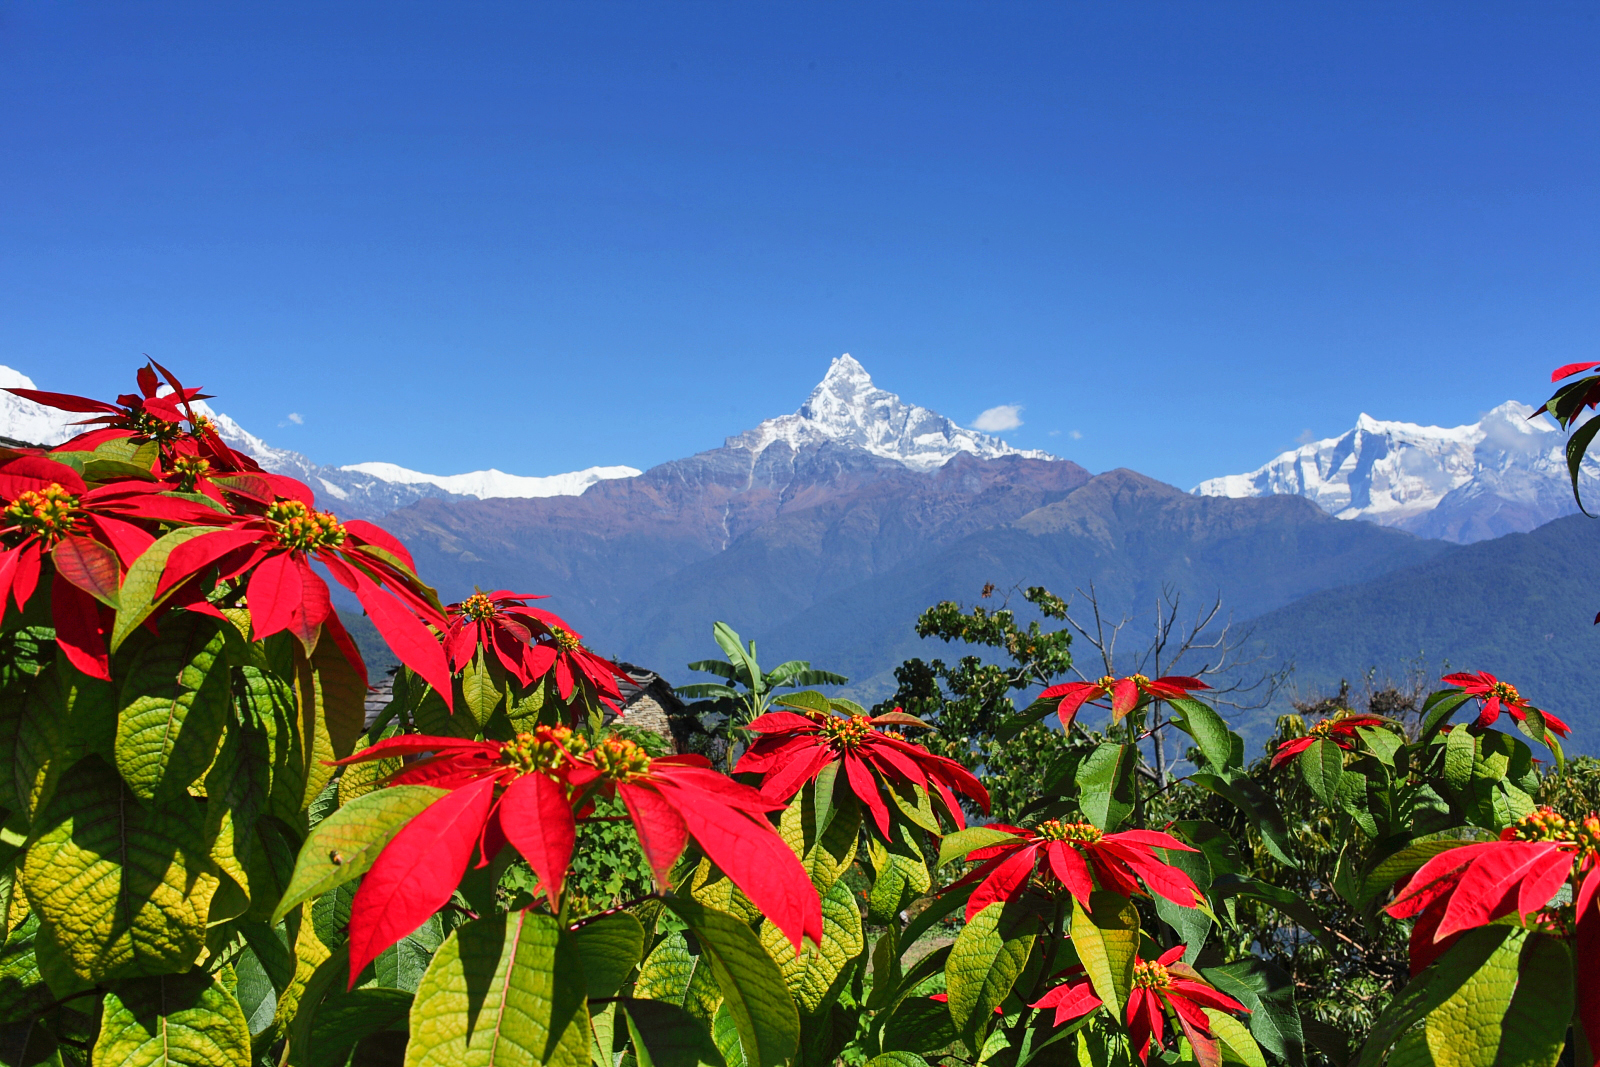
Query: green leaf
[
  {"x": 985, "y": 962},
  {"x": 609, "y": 948},
  {"x": 1107, "y": 939},
  {"x": 721, "y": 668},
  {"x": 900, "y": 874},
  {"x": 828, "y": 856},
  {"x": 174, "y": 706},
  {"x": 65, "y": 715},
  {"x": 1459, "y": 749},
  {"x": 664, "y": 1035},
  {"x": 506, "y": 989},
  {"x": 1438, "y": 708},
  {"x": 1577, "y": 445},
  {"x": 186, "y": 1020},
  {"x": 1464, "y": 1030},
  {"x": 1534, "y": 1028},
  {"x": 22, "y": 988},
  {"x": 1203, "y": 724},
  {"x": 138, "y": 598},
  {"x": 1232, "y": 1033},
  {"x": 345, "y": 1018},
  {"x": 1269, "y": 994},
  {"x": 344, "y": 846},
  {"x": 1322, "y": 766},
  {"x": 123, "y": 890},
  {"x": 752, "y": 985},
  {"x": 1251, "y": 799},
  {"x": 1105, "y": 785},
  {"x": 725, "y": 1033},
  {"x": 897, "y": 1059},
  {"x": 1389, "y": 870},
  {"x": 1483, "y": 948},
  {"x": 920, "y": 1025},
  {"x": 1290, "y": 903},
  {"x": 813, "y": 975},
  {"x": 956, "y": 846},
  {"x": 483, "y": 687},
  {"x": 675, "y": 974}
]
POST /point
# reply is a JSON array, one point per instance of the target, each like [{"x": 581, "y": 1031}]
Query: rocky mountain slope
[{"x": 1505, "y": 473}]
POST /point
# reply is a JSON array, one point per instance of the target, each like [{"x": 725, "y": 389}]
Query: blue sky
[{"x": 540, "y": 237}]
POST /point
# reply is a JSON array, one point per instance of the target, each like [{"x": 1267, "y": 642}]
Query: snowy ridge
[
  {"x": 361, "y": 490},
  {"x": 495, "y": 483},
  {"x": 1504, "y": 473},
  {"x": 846, "y": 407}
]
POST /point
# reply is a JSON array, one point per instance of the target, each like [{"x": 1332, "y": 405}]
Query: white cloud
[
  {"x": 1054, "y": 433},
  {"x": 1306, "y": 437},
  {"x": 1077, "y": 435},
  {"x": 294, "y": 417},
  {"x": 1004, "y": 417}
]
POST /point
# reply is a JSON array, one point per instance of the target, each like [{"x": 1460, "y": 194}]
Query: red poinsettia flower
[
  {"x": 88, "y": 535},
  {"x": 524, "y": 791},
  {"x": 673, "y": 798},
  {"x": 794, "y": 748},
  {"x": 1475, "y": 884},
  {"x": 1165, "y": 983},
  {"x": 1495, "y": 696},
  {"x": 1342, "y": 730},
  {"x": 559, "y": 649},
  {"x": 500, "y": 621},
  {"x": 277, "y": 541},
  {"x": 515, "y": 791},
  {"x": 1125, "y": 693},
  {"x": 146, "y": 414},
  {"x": 1066, "y": 853}
]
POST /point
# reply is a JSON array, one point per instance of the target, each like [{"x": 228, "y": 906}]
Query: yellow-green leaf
[
  {"x": 138, "y": 597},
  {"x": 674, "y": 974},
  {"x": 341, "y": 697},
  {"x": 123, "y": 889},
  {"x": 344, "y": 846},
  {"x": 813, "y": 975},
  {"x": 1107, "y": 941},
  {"x": 828, "y": 856},
  {"x": 609, "y": 948},
  {"x": 665, "y": 1035},
  {"x": 174, "y": 705},
  {"x": 65, "y": 715},
  {"x": 185, "y": 1020},
  {"x": 984, "y": 963},
  {"x": 752, "y": 987},
  {"x": 1236, "y": 1037},
  {"x": 502, "y": 990}
]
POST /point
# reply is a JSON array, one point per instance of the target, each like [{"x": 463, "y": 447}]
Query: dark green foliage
[{"x": 970, "y": 701}]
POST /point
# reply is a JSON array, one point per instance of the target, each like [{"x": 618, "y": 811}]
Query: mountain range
[
  {"x": 823, "y": 533},
  {"x": 1505, "y": 473}
]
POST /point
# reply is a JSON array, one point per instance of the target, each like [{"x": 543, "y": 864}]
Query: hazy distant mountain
[
  {"x": 1502, "y": 474},
  {"x": 1520, "y": 606},
  {"x": 358, "y": 491}
]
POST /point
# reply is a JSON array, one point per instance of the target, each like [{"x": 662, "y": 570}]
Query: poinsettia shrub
[{"x": 207, "y": 856}]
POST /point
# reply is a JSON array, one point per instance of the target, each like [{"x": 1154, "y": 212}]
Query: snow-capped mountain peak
[
  {"x": 1506, "y": 472},
  {"x": 847, "y": 407},
  {"x": 357, "y": 491}
]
